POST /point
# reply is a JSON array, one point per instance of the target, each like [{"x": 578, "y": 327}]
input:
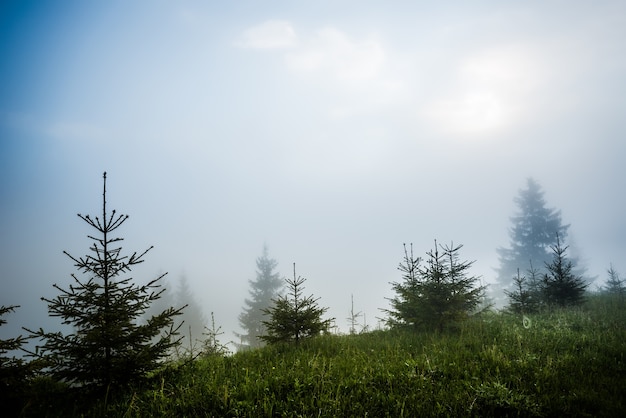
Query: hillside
[{"x": 563, "y": 363}]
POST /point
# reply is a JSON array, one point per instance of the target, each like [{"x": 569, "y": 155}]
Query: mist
[{"x": 333, "y": 134}]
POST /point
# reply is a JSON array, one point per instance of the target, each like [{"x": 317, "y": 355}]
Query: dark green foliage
[
  {"x": 262, "y": 290},
  {"x": 14, "y": 372},
  {"x": 108, "y": 346},
  {"x": 406, "y": 304},
  {"x": 11, "y": 368},
  {"x": 294, "y": 317},
  {"x": 436, "y": 295},
  {"x": 560, "y": 286},
  {"x": 534, "y": 229}
]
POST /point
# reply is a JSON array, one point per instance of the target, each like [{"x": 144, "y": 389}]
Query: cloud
[
  {"x": 333, "y": 52},
  {"x": 272, "y": 34}
]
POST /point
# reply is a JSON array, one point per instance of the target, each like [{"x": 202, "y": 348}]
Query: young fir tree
[
  {"x": 523, "y": 299},
  {"x": 437, "y": 295},
  {"x": 109, "y": 345},
  {"x": 353, "y": 318},
  {"x": 294, "y": 317},
  {"x": 532, "y": 234},
  {"x": 560, "y": 286},
  {"x": 614, "y": 284},
  {"x": 262, "y": 291},
  {"x": 406, "y": 304}
]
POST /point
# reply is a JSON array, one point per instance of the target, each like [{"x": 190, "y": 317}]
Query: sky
[{"x": 333, "y": 132}]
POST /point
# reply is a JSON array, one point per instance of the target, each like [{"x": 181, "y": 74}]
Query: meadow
[{"x": 561, "y": 363}]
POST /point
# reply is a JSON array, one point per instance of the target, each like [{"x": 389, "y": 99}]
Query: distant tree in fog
[
  {"x": 533, "y": 233},
  {"x": 614, "y": 284},
  {"x": 354, "y": 317},
  {"x": 263, "y": 290},
  {"x": 294, "y": 317},
  {"x": 193, "y": 318},
  {"x": 561, "y": 286},
  {"x": 436, "y": 295},
  {"x": 110, "y": 345}
]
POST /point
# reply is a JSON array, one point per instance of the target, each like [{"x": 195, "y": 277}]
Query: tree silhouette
[
  {"x": 614, "y": 284},
  {"x": 561, "y": 287},
  {"x": 14, "y": 372},
  {"x": 294, "y": 317},
  {"x": 534, "y": 229},
  {"x": 109, "y": 346},
  {"x": 525, "y": 298},
  {"x": 436, "y": 295},
  {"x": 262, "y": 291}
]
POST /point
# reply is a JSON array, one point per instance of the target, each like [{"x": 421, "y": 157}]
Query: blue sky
[{"x": 333, "y": 132}]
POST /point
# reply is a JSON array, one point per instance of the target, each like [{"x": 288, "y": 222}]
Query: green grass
[{"x": 568, "y": 363}]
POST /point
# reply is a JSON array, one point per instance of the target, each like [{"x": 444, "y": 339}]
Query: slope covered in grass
[{"x": 567, "y": 363}]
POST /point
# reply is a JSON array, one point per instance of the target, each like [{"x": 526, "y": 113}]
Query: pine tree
[
  {"x": 262, "y": 291},
  {"x": 109, "y": 346},
  {"x": 14, "y": 372},
  {"x": 614, "y": 284},
  {"x": 524, "y": 299},
  {"x": 436, "y": 295},
  {"x": 406, "y": 304},
  {"x": 532, "y": 234},
  {"x": 560, "y": 286},
  {"x": 294, "y": 317}
]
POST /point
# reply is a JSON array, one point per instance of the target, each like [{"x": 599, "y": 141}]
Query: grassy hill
[{"x": 564, "y": 363}]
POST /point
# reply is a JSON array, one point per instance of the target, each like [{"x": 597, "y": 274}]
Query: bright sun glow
[{"x": 490, "y": 91}]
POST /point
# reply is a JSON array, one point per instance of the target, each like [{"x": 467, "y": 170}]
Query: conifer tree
[
  {"x": 406, "y": 304},
  {"x": 436, "y": 295},
  {"x": 560, "y": 286},
  {"x": 353, "y": 318},
  {"x": 109, "y": 345},
  {"x": 262, "y": 291},
  {"x": 294, "y": 317},
  {"x": 14, "y": 372},
  {"x": 614, "y": 284},
  {"x": 533, "y": 232},
  {"x": 524, "y": 299}
]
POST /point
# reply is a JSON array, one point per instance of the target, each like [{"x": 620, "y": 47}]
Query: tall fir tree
[
  {"x": 561, "y": 286},
  {"x": 109, "y": 345},
  {"x": 437, "y": 295},
  {"x": 294, "y": 317},
  {"x": 533, "y": 233},
  {"x": 263, "y": 290}
]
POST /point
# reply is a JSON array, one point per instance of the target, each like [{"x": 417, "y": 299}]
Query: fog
[{"x": 332, "y": 133}]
